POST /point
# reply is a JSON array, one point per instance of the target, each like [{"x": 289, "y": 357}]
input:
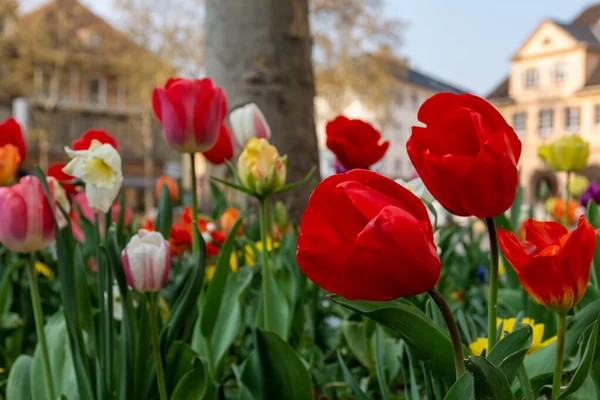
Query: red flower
[
  {"x": 365, "y": 237},
  {"x": 218, "y": 236},
  {"x": 180, "y": 240},
  {"x": 10, "y": 133},
  {"x": 56, "y": 171},
  {"x": 212, "y": 249},
  {"x": 552, "y": 264},
  {"x": 223, "y": 148},
  {"x": 191, "y": 112},
  {"x": 85, "y": 141},
  {"x": 467, "y": 155},
  {"x": 171, "y": 185},
  {"x": 355, "y": 143}
]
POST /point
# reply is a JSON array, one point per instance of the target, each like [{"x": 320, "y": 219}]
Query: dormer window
[
  {"x": 560, "y": 73},
  {"x": 532, "y": 77}
]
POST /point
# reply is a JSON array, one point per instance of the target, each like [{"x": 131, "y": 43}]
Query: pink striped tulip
[
  {"x": 191, "y": 112},
  {"x": 248, "y": 122},
  {"x": 27, "y": 221},
  {"x": 147, "y": 261}
]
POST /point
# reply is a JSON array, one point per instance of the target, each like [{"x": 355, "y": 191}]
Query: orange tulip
[
  {"x": 552, "y": 264},
  {"x": 171, "y": 184},
  {"x": 9, "y": 163},
  {"x": 227, "y": 220}
]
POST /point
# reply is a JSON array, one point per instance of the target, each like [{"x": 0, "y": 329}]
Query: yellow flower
[
  {"x": 100, "y": 168},
  {"x": 501, "y": 268},
  {"x": 233, "y": 262},
  {"x": 43, "y": 269},
  {"x": 568, "y": 153},
  {"x": 233, "y": 265},
  {"x": 10, "y": 159},
  {"x": 577, "y": 185},
  {"x": 249, "y": 255},
  {"x": 260, "y": 167},
  {"x": 479, "y": 345}
]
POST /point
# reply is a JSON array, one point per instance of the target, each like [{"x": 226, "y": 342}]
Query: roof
[
  {"x": 428, "y": 82},
  {"x": 589, "y": 16},
  {"x": 500, "y": 91},
  {"x": 582, "y": 33}
]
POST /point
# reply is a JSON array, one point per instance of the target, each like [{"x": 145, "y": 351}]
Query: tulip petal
[
  {"x": 513, "y": 250},
  {"x": 543, "y": 234}
]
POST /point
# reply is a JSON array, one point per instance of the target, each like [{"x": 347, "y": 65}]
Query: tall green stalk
[
  {"x": 38, "y": 316},
  {"x": 560, "y": 352},
  {"x": 567, "y": 200},
  {"x": 160, "y": 374},
  {"x": 194, "y": 206},
  {"x": 266, "y": 283},
  {"x": 493, "y": 291}
]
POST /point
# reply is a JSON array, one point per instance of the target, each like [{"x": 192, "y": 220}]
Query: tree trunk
[{"x": 260, "y": 51}]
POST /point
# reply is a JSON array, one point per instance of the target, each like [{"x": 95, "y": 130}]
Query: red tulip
[
  {"x": 467, "y": 155},
  {"x": 365, "y": 237},
  {"x": 223, "y": 148},
  {"x": 10, "y": 133},
  {"x": 56, "y": 171},
  {"x": 191, "y": 112},
  {"x": 552, "y": 264},
  {"x": 27, "y": 221},
  {"x": 355, "y": 143},
  {"x": 85, "y": 141}
]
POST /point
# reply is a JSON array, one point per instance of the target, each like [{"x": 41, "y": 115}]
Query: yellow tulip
[
  {"x": 568, "y": 153},
  {"x": 43, "y": 269},
  {"x": 209, "y": 273},
  {"x": 480, "y": 344},
  {"x": 577, "y": 185},
  {"x": 249, "y": 255},
  {"x": 261, "y": 169}
]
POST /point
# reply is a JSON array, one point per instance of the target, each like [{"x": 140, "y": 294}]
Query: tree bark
[{"x": 260, "y": 51}]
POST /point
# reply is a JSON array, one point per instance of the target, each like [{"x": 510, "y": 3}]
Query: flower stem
[
  {"x": 567, "y": 200},
  {"x": 266, "y": 280},
  {"x": 38, "y": 316},
  {"x": 493, "y": 295},
  {"x": 457, "y": 346},
  {"x": 160, "y": 375},
  {"x": 194, "y": 206},
  {"x": 560, "y": 350}
]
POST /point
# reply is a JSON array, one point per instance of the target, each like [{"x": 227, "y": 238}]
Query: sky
[{"x": 468, "y": 43}]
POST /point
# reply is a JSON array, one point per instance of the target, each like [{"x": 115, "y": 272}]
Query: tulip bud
[
  {"x": 228, "y": 219},
  {"x": 281, "y": 216},
  {"x": 147, "y": 261},
  {"x": 261, "y": 169},
  {"x": 249, "y": 122},
  {"x": 27, "y": 222},
  {"x": 577, "y": 185},
  {"x": 9, "y": 163},
  {"x": 568, "y": 153},
  {"x": 171, "y": 185}
]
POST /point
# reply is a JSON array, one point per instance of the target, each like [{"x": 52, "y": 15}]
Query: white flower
[
  {"x": 60, "y": 197},
  {"x": 249, "y": 122},
  {"x": 100, "y": 168},
  {"x": 211, "y": 227},
  {"x": 207, "y": 237}
]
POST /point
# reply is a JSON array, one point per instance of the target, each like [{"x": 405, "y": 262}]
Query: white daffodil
[
  {"x": 100, "y": 168},
  {"x": 60, "y": 198}
]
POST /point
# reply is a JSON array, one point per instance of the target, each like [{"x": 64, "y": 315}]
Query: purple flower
[
  {"x": 339, "y": 168},
  {"x": 591, "y": 193}
]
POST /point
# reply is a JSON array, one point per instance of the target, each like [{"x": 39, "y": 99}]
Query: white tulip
[
  {"x": 249, "y": 122},
  {"x": 100, "y": 168}
]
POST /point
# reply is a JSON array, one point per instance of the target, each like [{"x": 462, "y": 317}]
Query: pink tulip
[
  {"x": 27, "y": 221},
  {"x": 191, "y": 112},
  {"x": 248, "y": 122},
  {"x": 147, "y": 261}
]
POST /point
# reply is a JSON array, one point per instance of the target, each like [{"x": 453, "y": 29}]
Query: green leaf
[
  {"x": 490, "y": 382},
  {"x": 164, "y": 219},
  {"x": 593, "y": 216},
  {"x": 357, "y": 341},
  {"x": 219, "y": 200},
  {"x": 19, "y": 377},
  {"x": 294, "y": 185},
  {"x": 509, "y": 353},
  {"x": 383, "y": 386},
  {"x": 233, "y": 186},
  {"x": 275, "y": 370},
  {"x": 350, "y": 379},
  {"x": 429, "y": 342},
  {"x": 585, "y": 365},
  {"x": 179, "y": 361},
  {"x": 515, "y": 210},
  {"x": 463, "y": 388},
  {"x": 192, "y": 385},
  {"x": 280, "y": 314},
  {"x": 414, "y": 386},
  {"x": 216, "y": 288},
  {"x": 587, "y": 391}
]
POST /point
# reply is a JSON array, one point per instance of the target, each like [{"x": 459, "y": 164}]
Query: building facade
[
  {"x": 553, "y": 89},
  {"x": 75, "y": 72},
  {"x": 413, "y": 88}
]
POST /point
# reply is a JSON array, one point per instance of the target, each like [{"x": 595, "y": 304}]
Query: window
[
  {"x": 96, "y": 91},
  {"x": 47, "y": 84},
  {"x": 519, "y": 123},
  {"x": 415, "y": 100},
  {"x": 597, "y": 114},
  {"x": 560, "y": 73},
  {"x": 545, "y": 123},
  {"x": 532, "y": 77},
  {"x": 572, "y": 119}
]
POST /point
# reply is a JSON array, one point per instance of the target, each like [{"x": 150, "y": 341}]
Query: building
[
  {"x": 412, "y": 88},
  {"x": 553, "y": 89},
  {"x": 77, "y": 72}
]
